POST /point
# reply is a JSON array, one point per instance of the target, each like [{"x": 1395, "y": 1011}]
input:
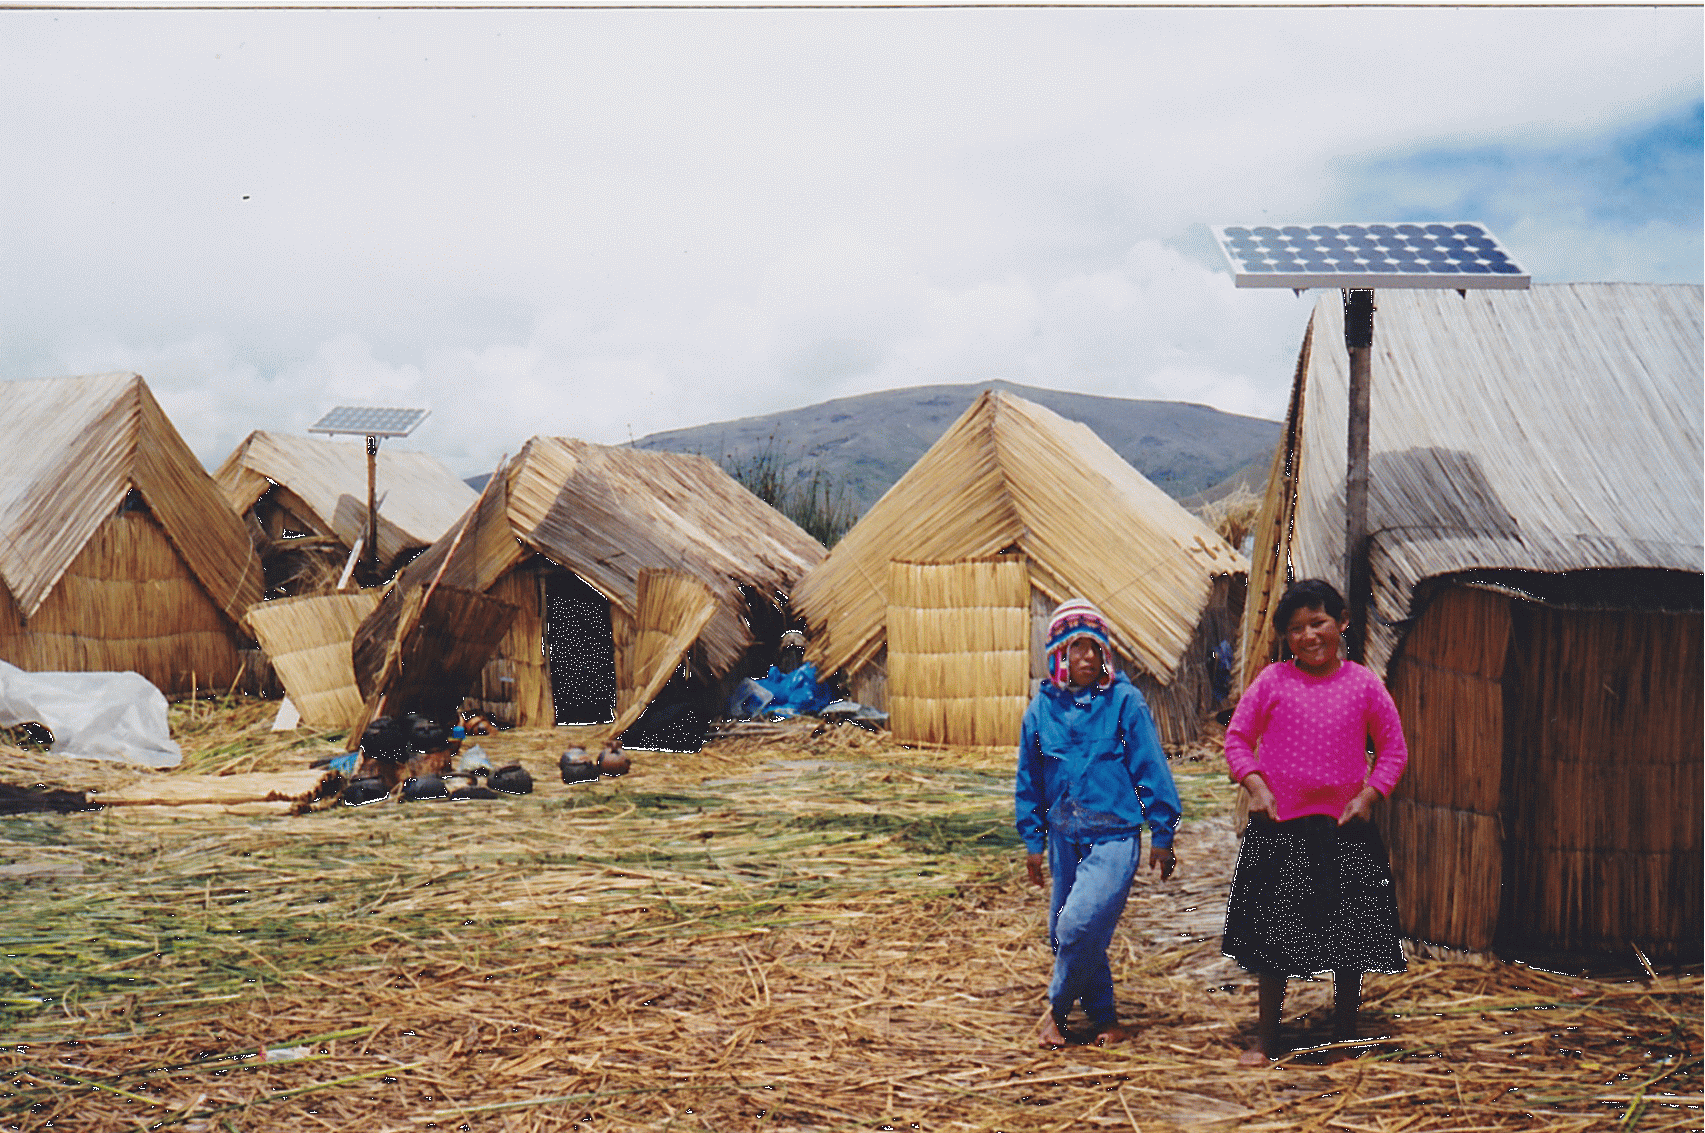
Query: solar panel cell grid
[
  {"x": 1366, "y": 255},
  {"x": 369, "y": 420}
]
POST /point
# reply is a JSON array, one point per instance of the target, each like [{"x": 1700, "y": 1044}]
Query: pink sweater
[{"x": 1312, "y": 737}]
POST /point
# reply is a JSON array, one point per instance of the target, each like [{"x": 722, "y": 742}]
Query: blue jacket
[{"x": 1090, "y": 768}]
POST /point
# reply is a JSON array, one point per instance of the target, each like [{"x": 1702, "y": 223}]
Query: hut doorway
[
  {"x": 581, "y": 650},
  {"x": 959, "y": 651}
]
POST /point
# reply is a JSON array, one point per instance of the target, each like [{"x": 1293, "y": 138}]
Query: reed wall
[
  {"x": 128, "y": 601},
  {"x": 514, "y": 686},
  {"x": 959, "y": 651},
  {"x": 1605, "y": 744},
  {"x": 443, "y": 645},
  {"x": 1551, "y": 803},
  {"x": 1442, "y": 823}
]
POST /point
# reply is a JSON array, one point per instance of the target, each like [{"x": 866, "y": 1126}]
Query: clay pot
[
  {"x": 577, "y": 766},
  {"x": 511, "y": 780},
  {"x": 423, "y": 787},
  {"x": 365, "y": 790}
]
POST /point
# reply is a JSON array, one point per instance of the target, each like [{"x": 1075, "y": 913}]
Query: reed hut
[
  {"x": 1535, "y": 517},
  {"x": 118, "y": 552},
  {"x": 935, "y": 604},
  {"x": 306, "y": 499},
  {"x": 606, "y": 553}
]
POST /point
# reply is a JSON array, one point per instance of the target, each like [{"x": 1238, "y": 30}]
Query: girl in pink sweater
[{"x": 1312, "y": 890}]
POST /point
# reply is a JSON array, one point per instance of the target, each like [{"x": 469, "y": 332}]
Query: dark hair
[{"x": 1307, "y": 594}]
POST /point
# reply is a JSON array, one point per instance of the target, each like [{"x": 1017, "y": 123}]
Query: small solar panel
[
  {"x": 370, "y": 421},
  {"x": 1460, "y": 255}
]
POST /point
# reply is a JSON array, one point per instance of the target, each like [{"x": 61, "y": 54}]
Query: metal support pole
[
  {"x": 373, "y": 506},
  {"x": 1358, "y": 339}
]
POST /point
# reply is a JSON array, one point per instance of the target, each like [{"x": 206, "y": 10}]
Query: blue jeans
[{"x": 1091, "y": 883}]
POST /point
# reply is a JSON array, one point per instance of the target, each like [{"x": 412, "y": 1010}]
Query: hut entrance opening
[{"x": 581, "y": 648}]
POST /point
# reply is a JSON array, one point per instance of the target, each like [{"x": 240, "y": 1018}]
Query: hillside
[{"x": 868, "y": 442}]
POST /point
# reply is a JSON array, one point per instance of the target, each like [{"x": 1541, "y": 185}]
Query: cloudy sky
[{"x": 608, "y": 223}]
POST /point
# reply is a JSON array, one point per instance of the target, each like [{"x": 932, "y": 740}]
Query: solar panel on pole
[
  {"x": 1357, "y": 258},
  {"x": 372, "y": 422},
  {"x": 1460, "y": 255}
]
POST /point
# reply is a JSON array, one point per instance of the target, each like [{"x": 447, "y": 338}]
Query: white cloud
[{"x": 596, "y": 222}]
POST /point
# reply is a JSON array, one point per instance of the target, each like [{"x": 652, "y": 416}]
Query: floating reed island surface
[{"x": 796, "y": 928}]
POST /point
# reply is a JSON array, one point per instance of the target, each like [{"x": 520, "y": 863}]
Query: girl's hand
[
  {"x": 1360, "y": 807},
  {"x": 1033, "y": 866},
  {"x": 1261, "y": 799}
]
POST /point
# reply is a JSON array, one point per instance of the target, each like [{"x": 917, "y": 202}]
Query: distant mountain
[{"x": 868, "y": 442}]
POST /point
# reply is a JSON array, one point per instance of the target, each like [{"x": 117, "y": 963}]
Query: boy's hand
[
  {"x": 1361, "y": 806},
  {"x": 1163, "y": 858},
  {"x": 1033, "y": 866},
  {"x": 1261, "y": 799}
]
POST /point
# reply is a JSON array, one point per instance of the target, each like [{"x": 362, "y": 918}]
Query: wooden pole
[
  {"x": 1358, "y": 340},
  {"x": 373, "y": 506}
]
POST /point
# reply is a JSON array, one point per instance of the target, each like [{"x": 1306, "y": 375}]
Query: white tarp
[{"x": 118, "y": 716}]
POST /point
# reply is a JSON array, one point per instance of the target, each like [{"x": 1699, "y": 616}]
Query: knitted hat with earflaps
[{"x": 1072, "y": 620}]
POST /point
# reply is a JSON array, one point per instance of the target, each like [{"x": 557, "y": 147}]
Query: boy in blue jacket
[{"x": 1090, "y": 774}]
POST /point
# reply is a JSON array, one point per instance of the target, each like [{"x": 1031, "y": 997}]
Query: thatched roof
[
  {"x": 70, "y": 451},
  {"x": 1010, "y": 473},
  {"x": 326, "y": 482},
  {"x": 607, "y": 513},
  {"x": 1556, "y": 429}
]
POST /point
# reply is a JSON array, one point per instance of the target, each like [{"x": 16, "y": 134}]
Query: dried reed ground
[{"x": 791, "y": 933}]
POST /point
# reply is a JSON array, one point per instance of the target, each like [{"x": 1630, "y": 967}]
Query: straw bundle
[
  {"x": 791, "y": 936},
  {"x": 958, "y": 651},
  {"x": 673, "y": 610},
  {"x": 308, "y": 639},
  {"x": 292, "y": 788}
]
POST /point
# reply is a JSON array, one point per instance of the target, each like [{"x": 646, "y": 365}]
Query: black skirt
[{"x": 1310, "y": 896}]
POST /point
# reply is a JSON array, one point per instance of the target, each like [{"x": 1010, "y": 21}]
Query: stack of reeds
[
  {"x": 959, "y": 651},
  {"x": 673, "y": 610},
  {"x": 308, "y": 639}
]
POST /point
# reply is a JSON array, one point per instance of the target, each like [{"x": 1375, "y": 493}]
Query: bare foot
[
  {"x": 1109, "y": 1035},
  {"x": 1050, "y": 1036},
  {"x": 1254, "y": 1056}
]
